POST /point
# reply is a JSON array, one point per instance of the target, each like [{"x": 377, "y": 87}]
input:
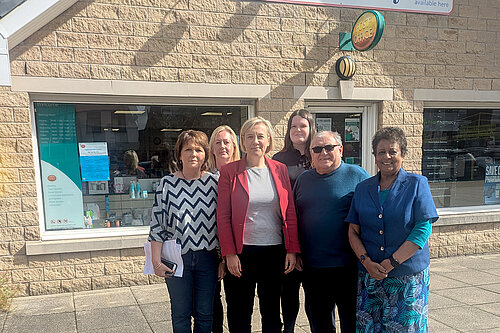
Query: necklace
[
  {"x": 183, "y": 176},
  {"x": 383, "y": 188}
]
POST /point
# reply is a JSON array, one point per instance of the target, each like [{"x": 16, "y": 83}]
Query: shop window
[
  {"x": 100, "y": 164},
  {"x": 461, "y": 156}
]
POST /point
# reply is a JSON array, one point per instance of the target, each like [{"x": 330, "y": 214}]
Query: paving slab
[
  {"x": 123, "y": 329},
  {"x": 491, "y": 287},
  {"x": 46, "y": 323},
  {"x": 154, "y": 293},
  {"x": 107, "y": 318},
  {"x": 470, "y": 295},
  {"x": 473, "y": 277},
  {"x": 437, "y": 301},
  {"x": 436, "y": 326},
  {"x": 154, "y": 312},
  {"x": 37, "y": 305},
  {"x": 493, "y": 308},
  {"x": 98, "y": 299},
  {"x": 161, "y": 326},
  {"x": 439, "y": 282},
  {"x": 465, "y": 318}
]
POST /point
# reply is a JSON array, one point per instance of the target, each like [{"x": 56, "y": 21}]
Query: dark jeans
[
  {"x": 192, "y": 295},
  {"x": 290, "y": 301},
  {"x": 326, "y": 287},
  {"x": 262, "y": 266},
  {"x": 217, "y": 325}
]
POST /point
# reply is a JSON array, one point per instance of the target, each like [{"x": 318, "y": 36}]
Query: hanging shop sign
[
  {"x": 444, "y": 7},
  {"x": 367, "y": 30}
]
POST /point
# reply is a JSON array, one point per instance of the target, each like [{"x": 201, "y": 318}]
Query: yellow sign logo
[{"x": 364, "y": 31}]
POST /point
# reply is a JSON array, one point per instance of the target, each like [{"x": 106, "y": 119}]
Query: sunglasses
[{"x": 327, "y": 148}]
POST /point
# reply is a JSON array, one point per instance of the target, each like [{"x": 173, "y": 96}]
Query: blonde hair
[
  {"x": 249, "y": 124},
  {"x": 236, "y": 152},
  {"x": 131, "y": 160}
]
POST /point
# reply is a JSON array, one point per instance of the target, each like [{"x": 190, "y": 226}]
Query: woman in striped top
[{"x": 185, "y": 209}]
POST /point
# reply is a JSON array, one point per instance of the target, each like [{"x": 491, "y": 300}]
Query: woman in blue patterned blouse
[
  {"x": 391, "y": 220},
  {"x": 185, "y": 209}
]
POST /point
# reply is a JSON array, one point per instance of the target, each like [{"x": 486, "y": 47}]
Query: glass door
[{"x": 356, "y": 125}]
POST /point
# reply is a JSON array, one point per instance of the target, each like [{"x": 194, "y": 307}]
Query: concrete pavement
[{"x": 464, "y": 297}]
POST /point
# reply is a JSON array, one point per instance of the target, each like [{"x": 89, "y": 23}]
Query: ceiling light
[
  {"x": 130, "y": 111},
  {"x": 115, "y": 129},
  {"x": 212, "y": 114},
  {"x": 171, "y": 129}
]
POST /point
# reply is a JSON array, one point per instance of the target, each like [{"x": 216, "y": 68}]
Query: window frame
[
  {"x": 81, "y": 234},
  {"x": 444, "y": 211}
]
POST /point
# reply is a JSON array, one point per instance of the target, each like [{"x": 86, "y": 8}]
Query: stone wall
[{"x": 230, "y": 42}]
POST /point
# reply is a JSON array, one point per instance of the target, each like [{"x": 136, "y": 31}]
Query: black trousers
[
  {"x": 218, "y": 322},
  {"x": 326, "y": 287},
  {"x": 262, "y": 266}
]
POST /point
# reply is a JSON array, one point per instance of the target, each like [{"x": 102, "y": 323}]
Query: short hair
[
  {"x": 236, "y": 150},
  {"x": 130, "y": 160},
  {"x": 198, "y": 138},
  {"x": 332, "y": 134},
  {"x": 303, "y": 113},
  {"x": 393, "y": 134},
  {"x": 249, "y": 124}
]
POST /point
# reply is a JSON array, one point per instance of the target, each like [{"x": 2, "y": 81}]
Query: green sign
[{"x": 60, "y": 169}]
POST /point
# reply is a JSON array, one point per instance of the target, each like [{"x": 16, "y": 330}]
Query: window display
[
  {"x": 461, "y": 156},
  {"x": 100, "y": 163}
]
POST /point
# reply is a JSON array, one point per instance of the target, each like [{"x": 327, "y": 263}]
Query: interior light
[
  {"x": 212, "y": 114},
  {"x": 115, "y": 129},
  {"x": 171, "y": 129},
  {"x": 130, "y": 111},
  {"x": 106, "y": 129}
]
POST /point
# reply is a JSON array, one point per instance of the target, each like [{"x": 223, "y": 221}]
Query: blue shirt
[
  {"x": 384, "y": 228},
  {"x": 322, "y": 203}
]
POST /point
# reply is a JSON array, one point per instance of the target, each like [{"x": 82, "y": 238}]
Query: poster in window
[
  {"x": 323, "y": 124},
  {"x": 94, "y": 161},
  {"x": 60, "y": 169},
  {"x": 352, "y": 129},
  {"x": 492, "y": 184}
]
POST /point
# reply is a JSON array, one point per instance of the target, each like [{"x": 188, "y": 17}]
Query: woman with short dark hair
[
  {"x": 184, "y": 209},
  {"x": 391, "y": 220}
]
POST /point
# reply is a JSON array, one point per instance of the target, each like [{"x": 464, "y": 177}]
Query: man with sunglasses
[{"x": 322, "y": 200}]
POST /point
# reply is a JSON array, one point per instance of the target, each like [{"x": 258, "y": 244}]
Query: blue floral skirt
[{"x": 398, "y": 304}]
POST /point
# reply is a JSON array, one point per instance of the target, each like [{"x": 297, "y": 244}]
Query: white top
[{"x": 263, "y": 221}]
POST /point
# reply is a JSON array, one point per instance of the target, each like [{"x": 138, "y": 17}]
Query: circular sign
[
  {"x": 345, "y": 67},
  {"x": 367, "y": 30}
]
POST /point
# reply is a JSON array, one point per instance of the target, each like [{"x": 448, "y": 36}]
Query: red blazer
[{"x": 232, "y": 205}]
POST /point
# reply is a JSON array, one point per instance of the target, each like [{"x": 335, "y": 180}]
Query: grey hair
[{"x": 335, "y": 135}]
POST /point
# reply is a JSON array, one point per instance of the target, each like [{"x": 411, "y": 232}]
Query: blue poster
[
  {"x": 492, "y": 184},
  {"x": 61, "y": 183},
  {"x": 94, "y": 161}
]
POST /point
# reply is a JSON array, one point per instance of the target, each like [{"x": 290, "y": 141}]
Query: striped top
[{"x": 186, "y": 210}]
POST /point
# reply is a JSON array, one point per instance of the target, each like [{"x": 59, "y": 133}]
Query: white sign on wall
[{"x": 444, "y": 7}]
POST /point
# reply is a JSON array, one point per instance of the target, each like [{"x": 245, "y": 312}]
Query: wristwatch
[
  {"x": 394, "y": 262},
  {"x": 363, "y": 257}
]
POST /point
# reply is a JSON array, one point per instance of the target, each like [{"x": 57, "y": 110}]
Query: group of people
[{"x": 302, "y": 217}]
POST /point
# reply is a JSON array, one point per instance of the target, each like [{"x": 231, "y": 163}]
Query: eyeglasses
[{"x": 327, "y": 148}]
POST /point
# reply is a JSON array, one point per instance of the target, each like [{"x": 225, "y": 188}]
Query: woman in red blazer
[{"x": 257, "y": 229}]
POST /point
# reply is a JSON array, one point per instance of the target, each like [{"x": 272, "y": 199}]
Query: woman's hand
[
  {"x": 290, "y": 260},
  {"x": 376, "y": 270},
  {"x": 221, "y": 272},
  {"x": 299, "y": 265},
  {"x": 162, "y": 270},
  {"x": 386, "y": 263},
  {"x": 233, "y": 264}
]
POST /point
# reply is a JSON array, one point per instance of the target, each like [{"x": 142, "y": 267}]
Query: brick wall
[{"x": 230, "y": 42}]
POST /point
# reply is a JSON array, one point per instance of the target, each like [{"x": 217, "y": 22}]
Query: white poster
[
  {"x": 444, "y": 7},
  {"x": 323, "y": 124}
]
